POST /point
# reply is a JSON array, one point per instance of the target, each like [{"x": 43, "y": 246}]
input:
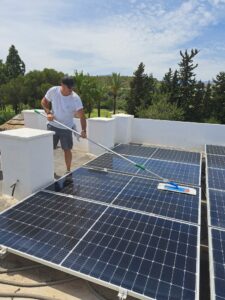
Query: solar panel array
[
  {"x": 110, "y": 224},
  {"x": 215, "y": 174}
]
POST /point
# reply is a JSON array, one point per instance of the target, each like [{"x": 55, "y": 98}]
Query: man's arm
[
  {"x": 80, "y": 114},
  {"x": 47, "y": 107}
]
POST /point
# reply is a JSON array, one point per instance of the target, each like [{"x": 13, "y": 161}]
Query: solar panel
[
  {"x": 217, "y": 260},
  {"x": 177, "y": 156},
  {"x": 216, "y": 178},
  {"x": 47, "y": 226},
  {"x": 135, "y": 150},
  {"x": 142, "y": 194},
  {"x": 217, "y": 208},
  {"x": 180, "y": 172},
  {"x": 115, "y": 163},
  {"x": 149, "y": 256},
  {"x": 213, "y": 149},
  {"x": 92, "y": 184},
  {"x": 216, "y": 161}
]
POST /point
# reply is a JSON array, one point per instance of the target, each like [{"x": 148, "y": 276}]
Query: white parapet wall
[
  {"x": 27, "y": 161},
  {"x": 101, "y": 130},
  {"x": 183, "y": 135},
  {"x": 123, "y": 128}
]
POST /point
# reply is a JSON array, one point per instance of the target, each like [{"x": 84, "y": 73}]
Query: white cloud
[{"x": 147, "y": 32}]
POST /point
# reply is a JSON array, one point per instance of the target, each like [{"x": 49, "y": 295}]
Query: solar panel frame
[
  {"x": 115, "y": 287},
  {"x": 130, "y": 292},
  {"x": 92, "y": 279},
  {"x": 212, "y": 273}
]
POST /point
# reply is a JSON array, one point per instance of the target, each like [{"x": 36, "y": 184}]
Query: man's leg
[{"x": 68, "y": 159}]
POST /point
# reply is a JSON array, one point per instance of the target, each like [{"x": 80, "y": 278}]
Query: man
[{"x": 63, "y": 104}]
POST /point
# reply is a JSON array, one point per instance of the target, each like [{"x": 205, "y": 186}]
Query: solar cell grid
[
  {"x": 217, "y": 208},
  {"x": 135, "y": 150},
  {"x": 142, "y": 194},
  {"x": 216, "y": 161},
  {"x": 92, "y": 184},
  {"x": 147, "y": 255},
  {"x": 216, "y": 178},
  {"x": 180, "y": 172},
  {"x": 177, "y": 156},
  {"x": 218, "y": 250},
  {"x": 214, "y": 149},
  {"x": 115, "y": 163},
  {"x": 47, "y": 226}
]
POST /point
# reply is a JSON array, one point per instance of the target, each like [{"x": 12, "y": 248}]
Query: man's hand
[
  {"x": 50, "y": 117},
  {"x": 83, "y": 134}
]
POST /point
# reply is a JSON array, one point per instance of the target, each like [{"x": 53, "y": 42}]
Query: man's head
[
  {"x": 67, "y": 84},
  {"x": 68, "y": 81}
]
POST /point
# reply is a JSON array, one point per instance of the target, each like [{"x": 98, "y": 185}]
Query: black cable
[
  {"x": 3, "y": 271},
  {"x": 27, "y": 295},
  {"x": 29, "y": 285}
]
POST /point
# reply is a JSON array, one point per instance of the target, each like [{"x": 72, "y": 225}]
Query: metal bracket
[
  {"x": 3, "y": 251},
  {"x": 122, "y": 294}
]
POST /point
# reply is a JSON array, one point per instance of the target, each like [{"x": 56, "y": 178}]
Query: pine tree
[
  {"x": 115, "y": 87},
  {"x": 208, "y": 106},
  {"x": 219, "y": 97},
  {"x": 171, "y": 87},
  {"x": 14, "y": 65},
  {"x": 187, "y": 81},
  {"x": 141, "y": 90}
]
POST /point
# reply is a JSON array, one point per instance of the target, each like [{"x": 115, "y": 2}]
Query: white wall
[{"x": 184, "y": 135}]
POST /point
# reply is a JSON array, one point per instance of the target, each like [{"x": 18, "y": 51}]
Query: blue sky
[{"x": 105, "y": 36}]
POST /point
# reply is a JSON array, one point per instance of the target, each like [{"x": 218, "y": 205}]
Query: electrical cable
[
  {"x": 12, "y": 270},
  {"x": 30, "y": 285},
  {"x": 95, "y": 292},
  {"x": 25, "y": 295}
]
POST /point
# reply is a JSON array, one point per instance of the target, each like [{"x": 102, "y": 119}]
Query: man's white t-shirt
[{"x": 63, "y": 107}]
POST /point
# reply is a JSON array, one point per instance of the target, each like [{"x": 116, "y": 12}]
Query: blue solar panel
[
  {"x": 115, "y": 163},
  {"x": 47, "y": 226},
  {"x": 213, "y": 149},
  {"x": 217, "y": 208},
  {"x": 218, "y": 261},
  {"x": 216, "y": 161},
  {"x": 150, "y": 256},
  {"x": 177, "y": 156},
  {"x": 180, "y": 172},
  {"x": 93, "y": 184},
  {"x": 216, "y": 178},
  {"x": 142, "y": 194},
  {"x": 135, "y": 150}
]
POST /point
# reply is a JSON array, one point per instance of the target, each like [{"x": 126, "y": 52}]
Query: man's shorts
[{"x": 62, "y": 135}]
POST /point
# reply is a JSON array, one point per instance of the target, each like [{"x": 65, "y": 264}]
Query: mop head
[{"x": 176, "y": 188}]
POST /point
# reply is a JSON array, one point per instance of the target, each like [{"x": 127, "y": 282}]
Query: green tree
[
  {"x": 115, "y": 87},
  {"x": 196, "y": 107},
  {"x": 37, "y": 83},
  {"x": 141, "y": 90},
  {"x": 161, "y": 109},
  {"x": 12, "y": 93},
  {"x": 208, "y": 106},
  {"x": 219, "y": 97},
  {"x": 14, "y": 64},
  {"x": 187, "y": 81},
  {"x": 3, "y": 73}
]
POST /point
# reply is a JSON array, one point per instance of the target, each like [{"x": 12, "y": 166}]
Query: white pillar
[
  {"x": 27, "y": 158},
  {"x": 34, "y": 120},
  {"x": 101, "y": 130},
  {"x": 123, "y": 127}
]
